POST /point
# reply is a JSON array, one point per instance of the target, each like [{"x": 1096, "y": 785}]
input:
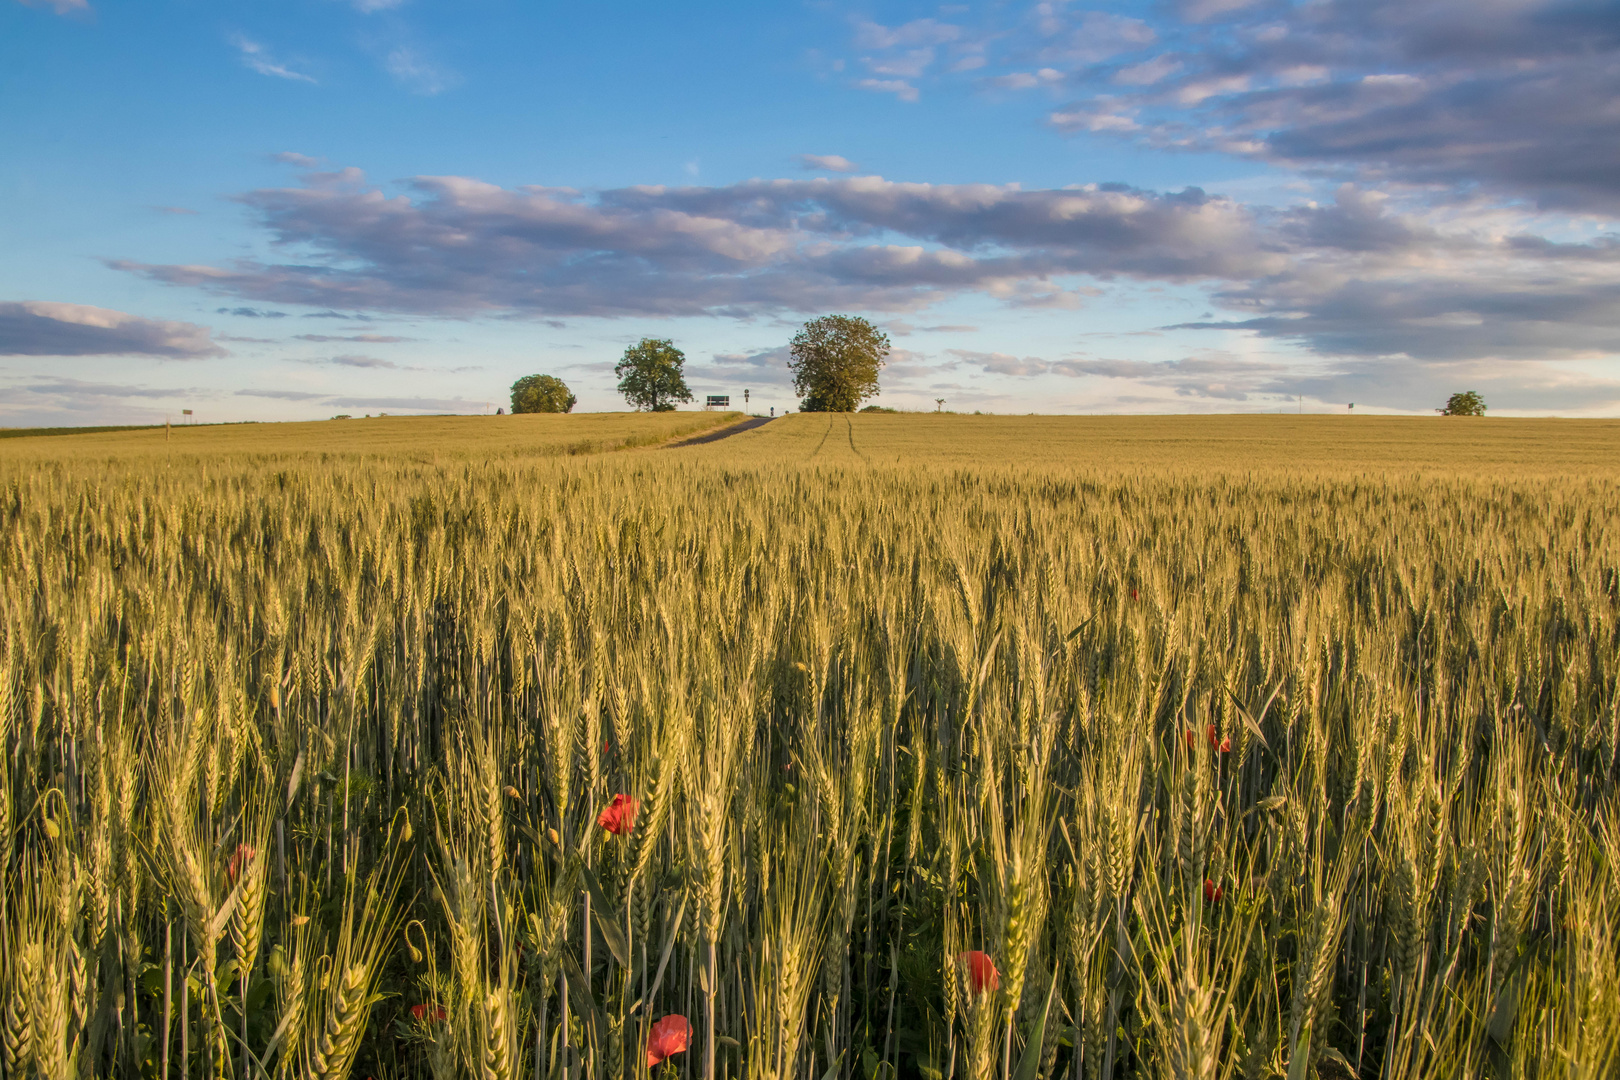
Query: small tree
[
  {"x": 835, "y": 362},
  {"x": 1464, "y": 404},
  {"x": 541, "y": 393},
  {"x": 650, "y": 375}
]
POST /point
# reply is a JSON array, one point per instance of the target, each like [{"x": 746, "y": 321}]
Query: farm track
[{"x": 723, "y": 433}]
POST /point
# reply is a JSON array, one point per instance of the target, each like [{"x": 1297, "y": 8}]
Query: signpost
[{"x": 717, "y": 401}]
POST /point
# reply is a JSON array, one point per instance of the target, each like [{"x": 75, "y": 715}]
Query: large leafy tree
[
  {"x": 650, "y": 375},
  {"x": 835, "y": 362},
  {"x": 541, "y": 393},
  {"x": 1468, "y": 403}
]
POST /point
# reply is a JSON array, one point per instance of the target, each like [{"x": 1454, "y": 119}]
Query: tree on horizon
[
  {"x": 1467, "y": 403},
  {"x": 835, "y": 362},
  {"x": 542, "y": 394},
  {"x": 651, "y": 375}
]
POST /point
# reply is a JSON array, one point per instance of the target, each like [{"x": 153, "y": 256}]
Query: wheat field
[{"x": 856, "y": 748}]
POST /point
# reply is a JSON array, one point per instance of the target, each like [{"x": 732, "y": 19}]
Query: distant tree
[
  {"x": 650, "y": 375},
  {"x": 1464, "y": 404},
  {"x": 541, "y": 393},
  {"x": 835, "y": 362}
]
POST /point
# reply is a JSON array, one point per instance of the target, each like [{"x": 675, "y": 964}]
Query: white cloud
[
  {"x": 1026, "y": 80},
  {"x": 826, "y": 163},
  {"x": 918, "y": 32},
  {"x": 47, "y": 328},
  {"x": 1148, "y": 72},
  {"x": 996, "y": 363},
  {"x": 419, "y": 74},
  {"x": 255, "y": 56},
  {"x": 905, "y": 65},
  {"x": 369, "y": 339},
  {"x": 898, "y": 87},
  {"x": 61, "y": 7},
  {"x": 362, "y": 362}
]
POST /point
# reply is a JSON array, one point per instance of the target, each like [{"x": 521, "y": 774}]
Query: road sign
[{"x": 717, "y": 401}]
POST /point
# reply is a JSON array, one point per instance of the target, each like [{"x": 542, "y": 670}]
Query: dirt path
[{"x": 725, "y": 432}]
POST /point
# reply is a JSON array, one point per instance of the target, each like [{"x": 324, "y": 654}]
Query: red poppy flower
[
  {"x": 620, "y": 815},
  {"x": 423, "y": 1013},
  {"x": 1135, "y": 595},
  {"x": 982, "y": 973},
  {"x": 1213, "y": 736},
  {"x": 243, "y": 855},
  {"x": 1226, "y": 745},
  {"x": 1191, "y": 736},
  {"x": 1213, "y": 892},
  {"x": 671, "y": 1035}
]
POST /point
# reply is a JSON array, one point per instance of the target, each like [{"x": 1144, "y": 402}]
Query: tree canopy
[
  {"x": 1467, "y": 403},
  {"x": 835, "y": 362},
  {"x": 542, "y": 393},
  {"x": 650, "y": 375}
]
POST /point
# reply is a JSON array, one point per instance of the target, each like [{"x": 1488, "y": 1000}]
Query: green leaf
[
  {"x": 1299, "y": 1062},
  {"x": 610, "y": 930},
  {"x": 1030, "y": 1060},
  {"x": 579, "y": 991}
]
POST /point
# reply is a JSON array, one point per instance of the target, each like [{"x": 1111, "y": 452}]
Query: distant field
[
  {"x": 44, "y": 432},
  {"x": 861, "y": 747},
  {"x": 1337, "y": 444},
  {"x": 406, "y": 438}
]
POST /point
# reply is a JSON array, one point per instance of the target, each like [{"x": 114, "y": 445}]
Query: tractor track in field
[
  {"x": 823, "y": 441},
  {"x": 853, "y": 448}
]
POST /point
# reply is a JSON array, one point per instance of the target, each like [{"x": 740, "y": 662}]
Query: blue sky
[{"x": 289, "y": 210}]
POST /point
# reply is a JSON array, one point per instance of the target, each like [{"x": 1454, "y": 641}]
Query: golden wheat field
[{"x": 857, "y": 748}]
